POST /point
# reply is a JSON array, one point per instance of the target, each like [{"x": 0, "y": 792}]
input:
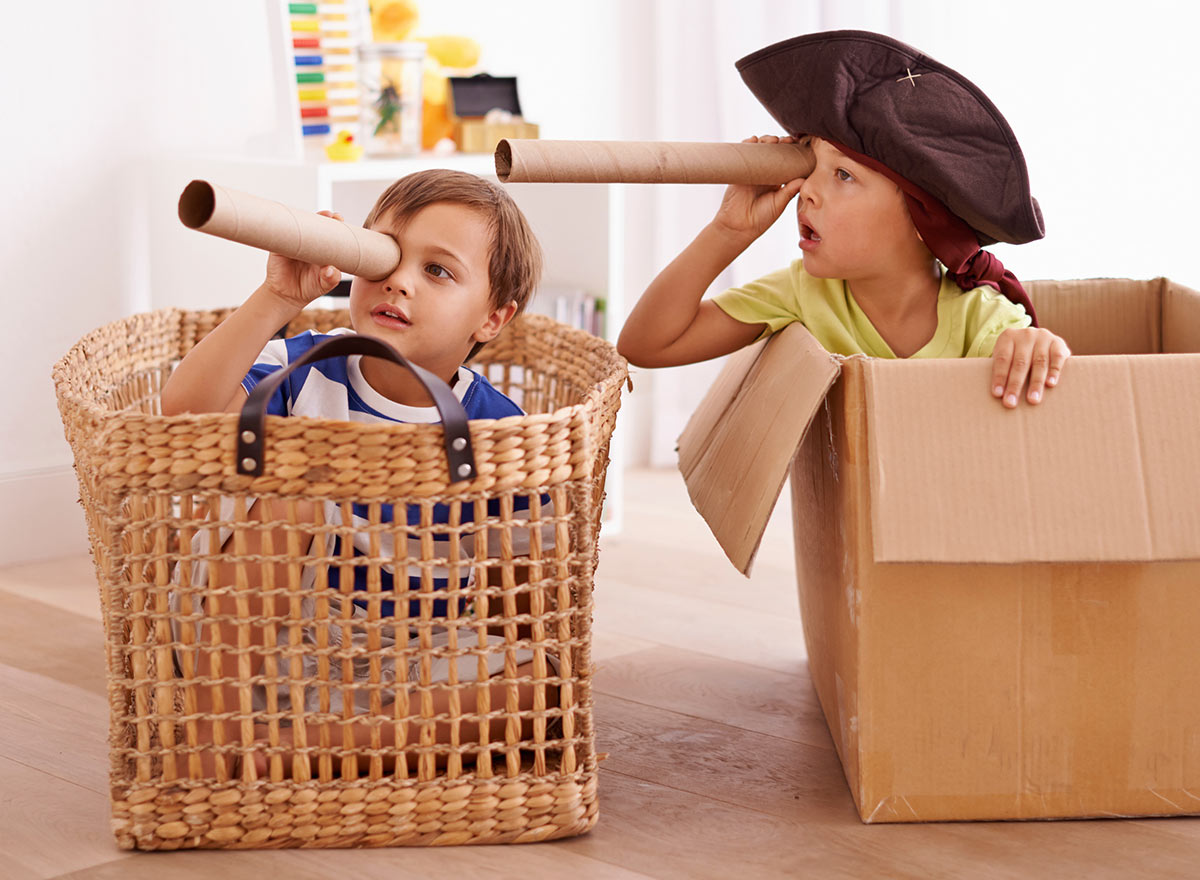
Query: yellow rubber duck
[
  {"x": 393, "y": 20},
  {"x": 344, "y": 149}
]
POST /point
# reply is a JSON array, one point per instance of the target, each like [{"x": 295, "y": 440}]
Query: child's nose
[
  {"x": 808, "y": 192},
  {"x": 398, "y": 282}
]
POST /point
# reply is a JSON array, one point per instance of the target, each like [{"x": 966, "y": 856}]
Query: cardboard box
[
  {"x": 473, "y": 98},
  {"x": 1001, "y": 608},
  {"x": 479, "y": 136}
]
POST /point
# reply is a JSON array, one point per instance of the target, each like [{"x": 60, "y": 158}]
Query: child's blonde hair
[{"x": 515, "y": 265}]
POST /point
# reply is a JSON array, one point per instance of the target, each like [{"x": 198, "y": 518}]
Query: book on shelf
[{"x": 570, "y": 305}]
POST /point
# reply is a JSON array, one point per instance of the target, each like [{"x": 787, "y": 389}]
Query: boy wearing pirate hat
[{"x": 915, "y": 170}]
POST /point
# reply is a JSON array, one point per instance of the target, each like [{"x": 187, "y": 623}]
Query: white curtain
[{"x": 682, "y": 85}]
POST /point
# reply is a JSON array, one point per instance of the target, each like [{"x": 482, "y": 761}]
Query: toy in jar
[{"x": 390, "y": 83}]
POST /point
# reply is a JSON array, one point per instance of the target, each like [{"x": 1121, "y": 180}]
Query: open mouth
[
  {"x": 390, "y": 315},
  {"x": 807, "y": 233}
]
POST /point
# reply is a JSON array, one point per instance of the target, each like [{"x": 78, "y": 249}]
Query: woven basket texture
[{"x": 257, "y": 699}]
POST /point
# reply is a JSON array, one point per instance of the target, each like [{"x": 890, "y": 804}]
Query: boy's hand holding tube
[
  {"x": 746, "y": 212},
  {"x": 297, "y": 283},
  {"x": 209, "y": 378}
]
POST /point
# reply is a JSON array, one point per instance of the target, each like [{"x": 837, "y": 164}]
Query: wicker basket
[{"x": 314, "y": 751}]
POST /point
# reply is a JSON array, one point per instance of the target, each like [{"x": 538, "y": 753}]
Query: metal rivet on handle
[
  {"x": 459, "y": 444},
  {"x": 248, "y": 464},
  {"x": 464, "y": 470},
  {"x": 247, "y": 436}
]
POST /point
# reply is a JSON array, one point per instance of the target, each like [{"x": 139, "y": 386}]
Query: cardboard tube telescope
[
  {"x": 302, "y": 235},
  {"x": 538, "y": 161}
]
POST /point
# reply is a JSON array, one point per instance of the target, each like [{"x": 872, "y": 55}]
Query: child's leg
[
  {"x": 237, "y": 637},
  {"x": 443, "y": 732}
]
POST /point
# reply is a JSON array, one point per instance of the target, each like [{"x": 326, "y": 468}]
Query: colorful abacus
[{"x": 325, "y": 38}]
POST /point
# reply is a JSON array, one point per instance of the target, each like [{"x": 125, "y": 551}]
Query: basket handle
[{"x": 251, "y": 429}]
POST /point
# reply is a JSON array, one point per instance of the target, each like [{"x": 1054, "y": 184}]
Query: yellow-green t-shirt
[{"x": 968, "y": 322}]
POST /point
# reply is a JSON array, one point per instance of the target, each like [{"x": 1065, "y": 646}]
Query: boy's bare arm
[
  {"x": 671, "y": 324},
  {"x": 209, "y": 378}
]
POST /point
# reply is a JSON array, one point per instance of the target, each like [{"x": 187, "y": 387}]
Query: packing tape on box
[
  {"x": 301, "y": 235},
  {"x": 538, "y": 161}
]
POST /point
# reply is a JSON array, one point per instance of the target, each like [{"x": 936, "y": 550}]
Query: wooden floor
[{"x": 719, "y": 761}]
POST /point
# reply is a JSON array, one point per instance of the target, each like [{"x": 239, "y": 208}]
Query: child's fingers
[
  {"x": 1038, "y": 355},
  {"x": 1018, "y": 370},
  {"x": 789, "y": 191},
  {"x": 1001, "y": 362},
  {"x": 329, "y": 278},
  {"x": 1039, "y": 369},
  {"x": 1059, "y": 352},
  {"x": 1050, "y": 353}
]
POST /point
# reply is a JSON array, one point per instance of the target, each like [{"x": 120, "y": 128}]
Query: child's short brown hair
[{"x": 516, "y": 256}]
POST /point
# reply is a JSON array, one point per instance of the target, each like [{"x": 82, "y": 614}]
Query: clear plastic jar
[{"x": 390, "y": 98}]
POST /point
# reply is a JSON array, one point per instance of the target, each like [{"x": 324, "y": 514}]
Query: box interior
[{"x": 1119, "y": 316}]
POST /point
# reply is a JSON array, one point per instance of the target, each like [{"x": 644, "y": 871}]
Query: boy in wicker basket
[{"x": 469, "y": 264}]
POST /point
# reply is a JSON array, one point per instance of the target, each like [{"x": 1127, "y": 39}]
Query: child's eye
[
  {"x": 844, "y": 175},
  {"x": 438, "y": 271}
]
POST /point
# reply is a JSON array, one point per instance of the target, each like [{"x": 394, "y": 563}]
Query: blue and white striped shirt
[{"x": 335, "y": 389}]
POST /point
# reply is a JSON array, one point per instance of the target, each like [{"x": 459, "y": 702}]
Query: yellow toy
[
  {"x": 395, "y": 21},
  {"x": 344, "y": 149},
  {"x": 461, "y": 53}
]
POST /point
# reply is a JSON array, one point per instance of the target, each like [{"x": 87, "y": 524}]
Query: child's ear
[{"x": 495, "y": 322}]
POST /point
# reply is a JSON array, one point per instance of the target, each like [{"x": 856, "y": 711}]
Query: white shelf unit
[{"x": 580, "y": 226}]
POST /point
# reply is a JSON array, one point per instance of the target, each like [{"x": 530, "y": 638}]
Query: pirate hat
[{"x": 924, "y": 125}]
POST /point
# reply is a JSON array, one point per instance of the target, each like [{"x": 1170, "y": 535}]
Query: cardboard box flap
[
  {"x": 736, "y": 448},
  {"x": 1107, "y": 468}
]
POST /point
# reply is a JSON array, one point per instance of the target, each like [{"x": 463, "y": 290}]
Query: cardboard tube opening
[
  {"x": 272, "y": 226},
  {"x": 196, "y": 204},
  {"x": 503, "y": 160}
]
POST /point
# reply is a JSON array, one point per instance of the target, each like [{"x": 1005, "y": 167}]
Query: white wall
[
  {"x": 101, "y": 87},
  {"x": 1103, "y": 96},
  {"x": 565, "y": 56},
  {"x": 1105, "y": 99}
]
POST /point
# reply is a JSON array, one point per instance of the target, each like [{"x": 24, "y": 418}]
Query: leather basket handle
[{"x": 251, "y": 429}]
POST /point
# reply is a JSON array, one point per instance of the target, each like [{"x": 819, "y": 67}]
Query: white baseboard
[{"x": 40, "y": 516}]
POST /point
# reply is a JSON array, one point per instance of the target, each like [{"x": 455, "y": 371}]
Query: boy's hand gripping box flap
[
  {"x": 473, "y": 98},
  {"x": 999, "y": 606}
]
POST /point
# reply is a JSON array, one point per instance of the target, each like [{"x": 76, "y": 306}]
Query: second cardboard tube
[{"x": 538, "y": 161}]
